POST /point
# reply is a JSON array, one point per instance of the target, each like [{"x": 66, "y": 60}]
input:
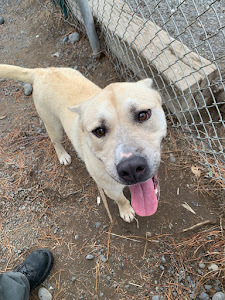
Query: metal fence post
[{"x": 89, "y": 26}]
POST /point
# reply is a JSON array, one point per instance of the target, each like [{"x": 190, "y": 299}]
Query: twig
[
  {"x": 108, "y": 243},
  {"x": 105, "y": 202},
  {"x": 135, "y": 284},
  {"x": 123, "y": 237},
  {"x": 97, "y": 274},
  {"x": 145, "y": 247},
  {"x": 198, "y": 225}
]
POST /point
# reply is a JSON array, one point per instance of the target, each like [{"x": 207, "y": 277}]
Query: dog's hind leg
[{"x": 55, "y": 133}]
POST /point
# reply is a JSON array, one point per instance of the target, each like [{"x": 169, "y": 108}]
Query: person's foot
[{"x": 36, "y": 267}]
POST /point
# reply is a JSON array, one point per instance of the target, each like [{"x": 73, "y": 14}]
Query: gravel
[
  {"x": 2, "y": 21},
  {"x": 208, "y": 287},
  {"x": 102, "y": 258},
  {"x": 27, "y": 89},
  {"x": 203, "y": 296},
  {"x": 157, "y": 297},
  {"x": 90, "y": 257},
  {"x": 162, "y": 268},
  {"x": 74, "y": 37},
  {"x": 213, "y": 267},
  {"x": 201, "y": 265},
  {"x": 64, "y": 40},
  {"x": 97, "y": 224},
  {"x": 44, "y": 294},
  {"x": 218, "y": 296},
  {"x": 163, "y": 260},
  {"x": 172, "y": 158}
]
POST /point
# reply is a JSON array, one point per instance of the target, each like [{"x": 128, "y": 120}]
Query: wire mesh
[{"x": 180, "y": 44}]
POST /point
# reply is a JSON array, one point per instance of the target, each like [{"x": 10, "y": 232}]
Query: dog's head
[{"x": 124, "y": 126}]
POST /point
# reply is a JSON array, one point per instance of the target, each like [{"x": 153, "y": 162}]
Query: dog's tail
[{"x": 17, "y": 73}]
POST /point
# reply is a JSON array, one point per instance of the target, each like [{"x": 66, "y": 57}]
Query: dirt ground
[{"x": 44, "y": 204}]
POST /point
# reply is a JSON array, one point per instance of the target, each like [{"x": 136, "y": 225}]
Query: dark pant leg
[{"x": 14, "y": 285}]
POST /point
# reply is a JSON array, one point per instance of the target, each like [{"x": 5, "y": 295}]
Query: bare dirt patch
[{"x": 44, "y": 204}]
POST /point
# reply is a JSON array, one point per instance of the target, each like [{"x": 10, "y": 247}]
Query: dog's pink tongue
[{"x": 143, "y": 198}]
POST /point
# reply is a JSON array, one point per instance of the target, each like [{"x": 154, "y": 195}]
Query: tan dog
[{"x": 117, "y": 131}]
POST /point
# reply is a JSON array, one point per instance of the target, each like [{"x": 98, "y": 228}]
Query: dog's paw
[
  {"x": 127, "y": 213},
  {"x": 65, "y": 159}
]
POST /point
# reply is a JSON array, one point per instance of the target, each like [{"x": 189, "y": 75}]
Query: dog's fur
[{"x": 65, "y": 99}]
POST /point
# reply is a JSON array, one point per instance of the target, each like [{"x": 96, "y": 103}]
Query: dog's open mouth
[{"x": 144, "y": 197}]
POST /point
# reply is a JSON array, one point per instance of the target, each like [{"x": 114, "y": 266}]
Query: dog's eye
[
  {"x": 144, "y": 115},
  {"x": 99, "y": 132}
]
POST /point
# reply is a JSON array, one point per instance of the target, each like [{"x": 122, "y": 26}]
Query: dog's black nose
[{"x": 133, "y": 169}]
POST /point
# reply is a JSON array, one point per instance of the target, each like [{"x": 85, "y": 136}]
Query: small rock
[
  {"x": 64, "y": 39},
  {"x": 73, "y": 279},
  {"x": 218, "y": 286},
  {"x": 203, "y": 296},
  {"x": 97, "y": 224},
  {"x": 76, "y": 237},
  {"x": 127, "y": 286},
  {"x": 56, "y": 54},
  {"x": 74, "y": 37},
  {"x": 200, "y": 272},
  {"x": 189, "y": 279},
  {"x": 44, "y": 294},
  {"x": 192, "y": 296},
  {"x": 102, "y": 258},
  {"x": 172, "y": 158},
  {"x": 213, "y": 267},
  {"x": 201, "y": 265},
  {"x": 163, "y": 260},
  {"x": 157, "y": 297},
  {"x": 174, "y": 294},
  {"x": 207, "y": 287},
  {"x": 2, "y": 21},
  {"x": 90, "y": 257},
  {"x": 218, "y": 296},
  {"x": 27, "y": 89},
  {"x": 56, "y": 230},
  {"x": 162, "y": 267}
]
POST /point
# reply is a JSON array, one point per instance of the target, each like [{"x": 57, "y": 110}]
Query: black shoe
[{"x": 36, "y": 267}]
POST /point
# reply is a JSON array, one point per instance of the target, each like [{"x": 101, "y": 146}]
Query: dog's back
[{"x": 64, "y": 81}]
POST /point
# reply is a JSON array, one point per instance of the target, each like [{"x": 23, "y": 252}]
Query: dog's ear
[
  {"x": 75, "y": 109},
  {"x": 146, "y": 82}
]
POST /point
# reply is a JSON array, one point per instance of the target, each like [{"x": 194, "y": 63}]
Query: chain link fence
[{"x": 181, "y": 45}]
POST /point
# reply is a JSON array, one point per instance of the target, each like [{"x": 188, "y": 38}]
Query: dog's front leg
[{"x": 126, "y": 211}]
